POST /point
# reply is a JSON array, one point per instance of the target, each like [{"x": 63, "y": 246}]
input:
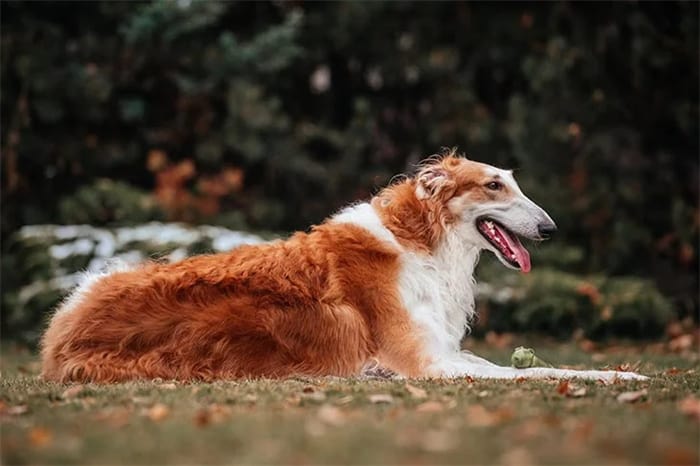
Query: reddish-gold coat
[{"x": 320, "y": 303}]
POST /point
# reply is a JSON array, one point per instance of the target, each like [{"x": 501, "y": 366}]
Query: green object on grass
[{"x": 523, "y": 358}]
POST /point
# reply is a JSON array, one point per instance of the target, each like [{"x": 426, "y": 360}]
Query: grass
[{"x": 332, "y": 421}]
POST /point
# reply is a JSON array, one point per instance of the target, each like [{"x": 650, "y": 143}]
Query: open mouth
[{"x": 506, "y": 243}]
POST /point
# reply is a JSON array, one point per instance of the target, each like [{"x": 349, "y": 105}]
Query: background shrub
[{"x": 271, "y": 115}]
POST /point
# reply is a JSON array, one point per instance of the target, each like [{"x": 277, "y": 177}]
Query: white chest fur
[{"x": 437, "y": 290}]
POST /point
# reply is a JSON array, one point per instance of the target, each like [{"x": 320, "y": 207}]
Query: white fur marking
[
  {"x": 85, "y": 283},
  {"x": 438, "y": 292},
  {"x": 363, "y": 215}
]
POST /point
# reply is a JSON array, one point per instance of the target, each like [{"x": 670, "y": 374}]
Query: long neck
[{"x": 417, "y": 225}]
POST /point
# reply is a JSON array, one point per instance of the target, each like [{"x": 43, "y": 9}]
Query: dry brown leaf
[
  {"x": 690, "y": 406},
  {"x": 478, "y": 416},
  {"x": 631, "y": 397},
  {"x": 416, "y": 392},
  {"x": 563, "y": 387},
  {"x": 680, "y": 455},
  {"x": 72, "y": 392},
  {"x": 212, "y": 414},
  {"x": 380, "y": 398},
  {"x": 202, "y": 418},
  {"x": 309, "y": 389},
  {"x": 331, "y": 415},
  {"x": 158, "y": 412},
  {"x": 114, "y": 417},
  {"x": 566, "y": 388},
  {"x": 430, "y": 407},
  {"x": 40, "y": 437}
]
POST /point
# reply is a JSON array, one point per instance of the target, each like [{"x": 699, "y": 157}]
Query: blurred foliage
[
  {"x": 274, "y": 114},
  {"x": 48, "y": 260},
  {"x": 553, "y": 302}
]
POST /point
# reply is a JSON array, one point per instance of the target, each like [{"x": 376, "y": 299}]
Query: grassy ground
[{"x": 359, "y": 421}]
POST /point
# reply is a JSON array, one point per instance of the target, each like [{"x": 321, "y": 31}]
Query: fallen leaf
[
  {"x": 680, "y": 456},
  {"x": 331, "y": 415},
  {"x": 308, "y": 389},
  {"x": 202, "y": 418},
  {"x": 250, "y": 398},
  {"x": 478, "y": 416},
  {"x": 168, "y": 386},
  {"x": 40, "y": 437},
  {"x": 430, "y": 407},
  {"x": 417, "y": 393},
  {"x": 158, "y": 412},
  {"x": 212, "y": 414},
  {"x": 631, "y": 397},
  {"x": 484, "y": 394},
  {"x": 690, "y": 406},
  {"x": 673, "y": 371},
  {"x": 114, "y": 417},
  {"x": 72, "y": 392},
  {"x": 570, "y": 390},
  {"x": 563, "y": 387},
  {"x": 380, "y": 398}
]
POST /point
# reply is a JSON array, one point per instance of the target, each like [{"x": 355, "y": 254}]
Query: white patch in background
[
  {"x": 86, "y": 281},
  {"x": 79, "y": 247},
  {"x": 363, "y": 215},
  {"x": 225, "y": 240}
]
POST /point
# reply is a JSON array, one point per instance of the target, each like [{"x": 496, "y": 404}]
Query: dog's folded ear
[{"x": 433, "y": 181}]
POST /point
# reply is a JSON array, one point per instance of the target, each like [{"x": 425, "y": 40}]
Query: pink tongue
[{"x": 522, "y": 257}]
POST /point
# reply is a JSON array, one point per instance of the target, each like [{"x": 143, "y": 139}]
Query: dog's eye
[{"x": 494, "y": 186}]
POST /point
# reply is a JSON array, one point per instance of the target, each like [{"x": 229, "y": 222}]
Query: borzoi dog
[{"x": 387, "y": 281}]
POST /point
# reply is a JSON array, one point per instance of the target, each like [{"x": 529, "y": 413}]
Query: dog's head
[{"x": 483, "y": 205}]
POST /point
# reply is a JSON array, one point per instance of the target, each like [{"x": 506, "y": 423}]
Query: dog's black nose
[{"x": 546, "y": 230}]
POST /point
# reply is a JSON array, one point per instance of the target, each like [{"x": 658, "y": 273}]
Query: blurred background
[{"x": 266, "y": 117}]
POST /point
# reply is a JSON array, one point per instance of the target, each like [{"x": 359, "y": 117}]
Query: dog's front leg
[{"x": 466, "y": 364}]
